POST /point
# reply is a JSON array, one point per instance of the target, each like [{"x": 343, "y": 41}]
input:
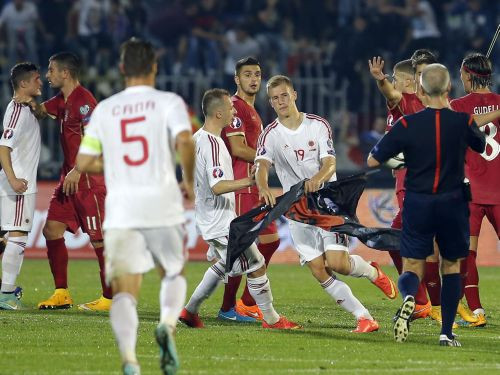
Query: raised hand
[{"x": 377, "y": 68}]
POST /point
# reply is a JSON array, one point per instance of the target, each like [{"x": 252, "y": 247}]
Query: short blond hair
[{"x": 275, "y": 81}]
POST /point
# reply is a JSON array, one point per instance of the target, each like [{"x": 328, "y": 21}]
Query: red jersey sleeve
[
  {"x": 52, "y": 105},
  {"x": 86, "y": 107}
]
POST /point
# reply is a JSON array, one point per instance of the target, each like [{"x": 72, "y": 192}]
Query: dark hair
[
  {"x": 21, "y": 72},
  {"x": 404, "y": 66},
  {"x": 211, "y": 99},
  {"x": 422, "y": 56},
  {"x": 138, "y": 57},
  {"x": 480, "y": 69},
  {"x": 68, "y": 61},
  {"x": 244, "y": 62}
]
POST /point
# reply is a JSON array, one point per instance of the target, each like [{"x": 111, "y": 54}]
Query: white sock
[
  {"x": 342, "y": 294},
  {"x": 213, "y": 276},
  {"x": 479, "y": 311},
  {"x": 361, "y": 268},
  {"x": 172, "y": 298},
  {"x": 260, "y": 290},
  {"x": 12, "y": 261},
  {"x": 124, "y": 321}
]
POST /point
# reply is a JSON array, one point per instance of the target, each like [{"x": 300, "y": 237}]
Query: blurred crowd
[{"x": 204, "y": 38}]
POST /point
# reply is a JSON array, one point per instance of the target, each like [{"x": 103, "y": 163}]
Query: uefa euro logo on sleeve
[
  {"x": 236, "y": 124},
  {"x": 217, "y": 173},
  {"x": 261, "y": 151},
  {"x": 8, "y": 133}
]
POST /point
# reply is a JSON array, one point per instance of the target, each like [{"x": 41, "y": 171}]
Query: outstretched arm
[{"x": 392, "y": 95}]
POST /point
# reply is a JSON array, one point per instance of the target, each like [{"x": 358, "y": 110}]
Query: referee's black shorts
[{"x": 444, "y": 216}]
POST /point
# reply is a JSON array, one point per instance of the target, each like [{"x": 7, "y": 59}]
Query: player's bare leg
[
  {"x": 342, "y": 294},
  {"x": 53, "y": 231},
  {"x": 354, "y": 265},
  {"x": 103, "y": 303}
]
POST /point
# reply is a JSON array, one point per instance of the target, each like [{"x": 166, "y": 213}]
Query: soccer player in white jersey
[
  {"x": 19, "y": 156},
  {"x": 300, "y": 146},
  {"x": 136, "y": 131},
  {"x": 214, "y": 210}
]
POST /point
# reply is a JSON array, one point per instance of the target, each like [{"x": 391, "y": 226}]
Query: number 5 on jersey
[{"x": 126, "y": 138}]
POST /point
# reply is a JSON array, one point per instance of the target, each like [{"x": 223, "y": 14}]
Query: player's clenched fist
[
  {"x": 267, "y": 196},
  {"x": 312, "y": 186},
  {"x": 19, "y": 185}
]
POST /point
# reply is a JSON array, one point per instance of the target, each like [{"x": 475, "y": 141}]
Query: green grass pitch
[{"x": 74, "y": 342}]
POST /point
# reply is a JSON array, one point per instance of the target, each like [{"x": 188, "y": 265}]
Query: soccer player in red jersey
[
  {"x": 241, "y": 140},
  {"x": 78, "y": 200},
  {"x": 482, "y": 170}
]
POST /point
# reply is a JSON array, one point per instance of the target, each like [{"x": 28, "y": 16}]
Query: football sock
[
  {"x": 268, "y": 249},
  {"x": 12, "y": 261},
  {"x": 408, "y": 284},
  {"x": 172, "y": 297},
  {"x": 106, "y": 289},
  {"x": 58, "y": 261},
  {"x": 421, "y": 296},
  {"x": 397, "y": 260},
  {"x": 213, "y": 276},
  {"x": 472, "y": 282},
  {"x": 230, "y": 290},
  {"x": 124, "y": 321},
  {"x": 361, "y": 268},
  {"x": 260, "y": 289},
  {"x": 463, "y": 276},
  {"x": 450, "y": 295},
  {"x": 433, "y": 282},
  {"x": 342, "y": 294}
]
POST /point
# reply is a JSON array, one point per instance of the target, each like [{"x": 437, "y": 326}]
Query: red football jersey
[
  {"x": 483, "y": 170},
  {"x": 246, "y": 123},
  {"x": 408, "y": 105},
  {"x": 73, "y": 115}
]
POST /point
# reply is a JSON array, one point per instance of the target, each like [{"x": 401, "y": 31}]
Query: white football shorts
[
  {"x": 311, "y": 241},
  {"x": 249, "y": 261},
  {"x": 134, "y": 251},
  {"x": 17, "y": 212}
]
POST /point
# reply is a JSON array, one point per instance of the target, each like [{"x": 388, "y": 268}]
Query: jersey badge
[
  {"x": 262, "y": 151},
  {"x": 329, "y": 143},
  {"x": 84, "y": 109},
  {"x": 217, "y": 173},
  {"x": 236, "y": 124},
  {"x": 8, "y": 133},
  {"x": 311, "y": 143}
]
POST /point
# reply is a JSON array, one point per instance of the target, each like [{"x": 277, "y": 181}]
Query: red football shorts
[
  {"x": 478, "y": 212},
  {"x": 397, "y": 222},
  {"x": 84, "y": 209},
  {"x": 245, "y": 202}
]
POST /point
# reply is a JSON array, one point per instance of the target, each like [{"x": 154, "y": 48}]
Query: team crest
[
  {"x": 84, "y": 109},
  {"x": 217, "y": 173},
  {"x": 8, "y": 133},
  {"x": 236, "y": 124},
  {"x": 311, "y": 143}
]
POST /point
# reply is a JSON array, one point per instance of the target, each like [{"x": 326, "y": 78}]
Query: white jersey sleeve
[
  {"x": 266, "y": 144},
  {"x": 178, "y": 117},
  {"x": 211, "y": 157},
  {"x": 13, "y": 125},
  {"x": 325, "y": 141}
]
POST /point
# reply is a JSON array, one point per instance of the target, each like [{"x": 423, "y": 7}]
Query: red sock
[
  {"x": 421, "y": 296},
  {"x": 463, "y": 276},
  {"x": 472, "y": 282},
  {"x": 397, "y": 260},
  {"x": 106, "y": 289},
  {"x": 58, "y": 260},
  {"x": 267, "y": 250},
  {"x": 433, "y": 282},
  {"x": 230, "y": 290}
]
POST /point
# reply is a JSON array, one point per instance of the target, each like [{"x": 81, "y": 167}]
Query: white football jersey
[
  {"x": 296, "y": 154},
  {"x": 213, "y": 212},
  {"x": 21, "y": 133},
  {"x": 135, "y": 131}
]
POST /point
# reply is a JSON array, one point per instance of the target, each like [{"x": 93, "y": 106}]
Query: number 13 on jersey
[{"x": 127, "y": 138}]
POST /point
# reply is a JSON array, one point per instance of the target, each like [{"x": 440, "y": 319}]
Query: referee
[{"x": 433, "y": 142}]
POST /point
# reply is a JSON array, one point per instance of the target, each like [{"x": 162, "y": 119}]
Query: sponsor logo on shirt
[
  {"x": 217, "y": 173},
  {"x": 84, "y": 109},
  {"x": 8, "y": 133},
  {"x": 236, "y": 124}
]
